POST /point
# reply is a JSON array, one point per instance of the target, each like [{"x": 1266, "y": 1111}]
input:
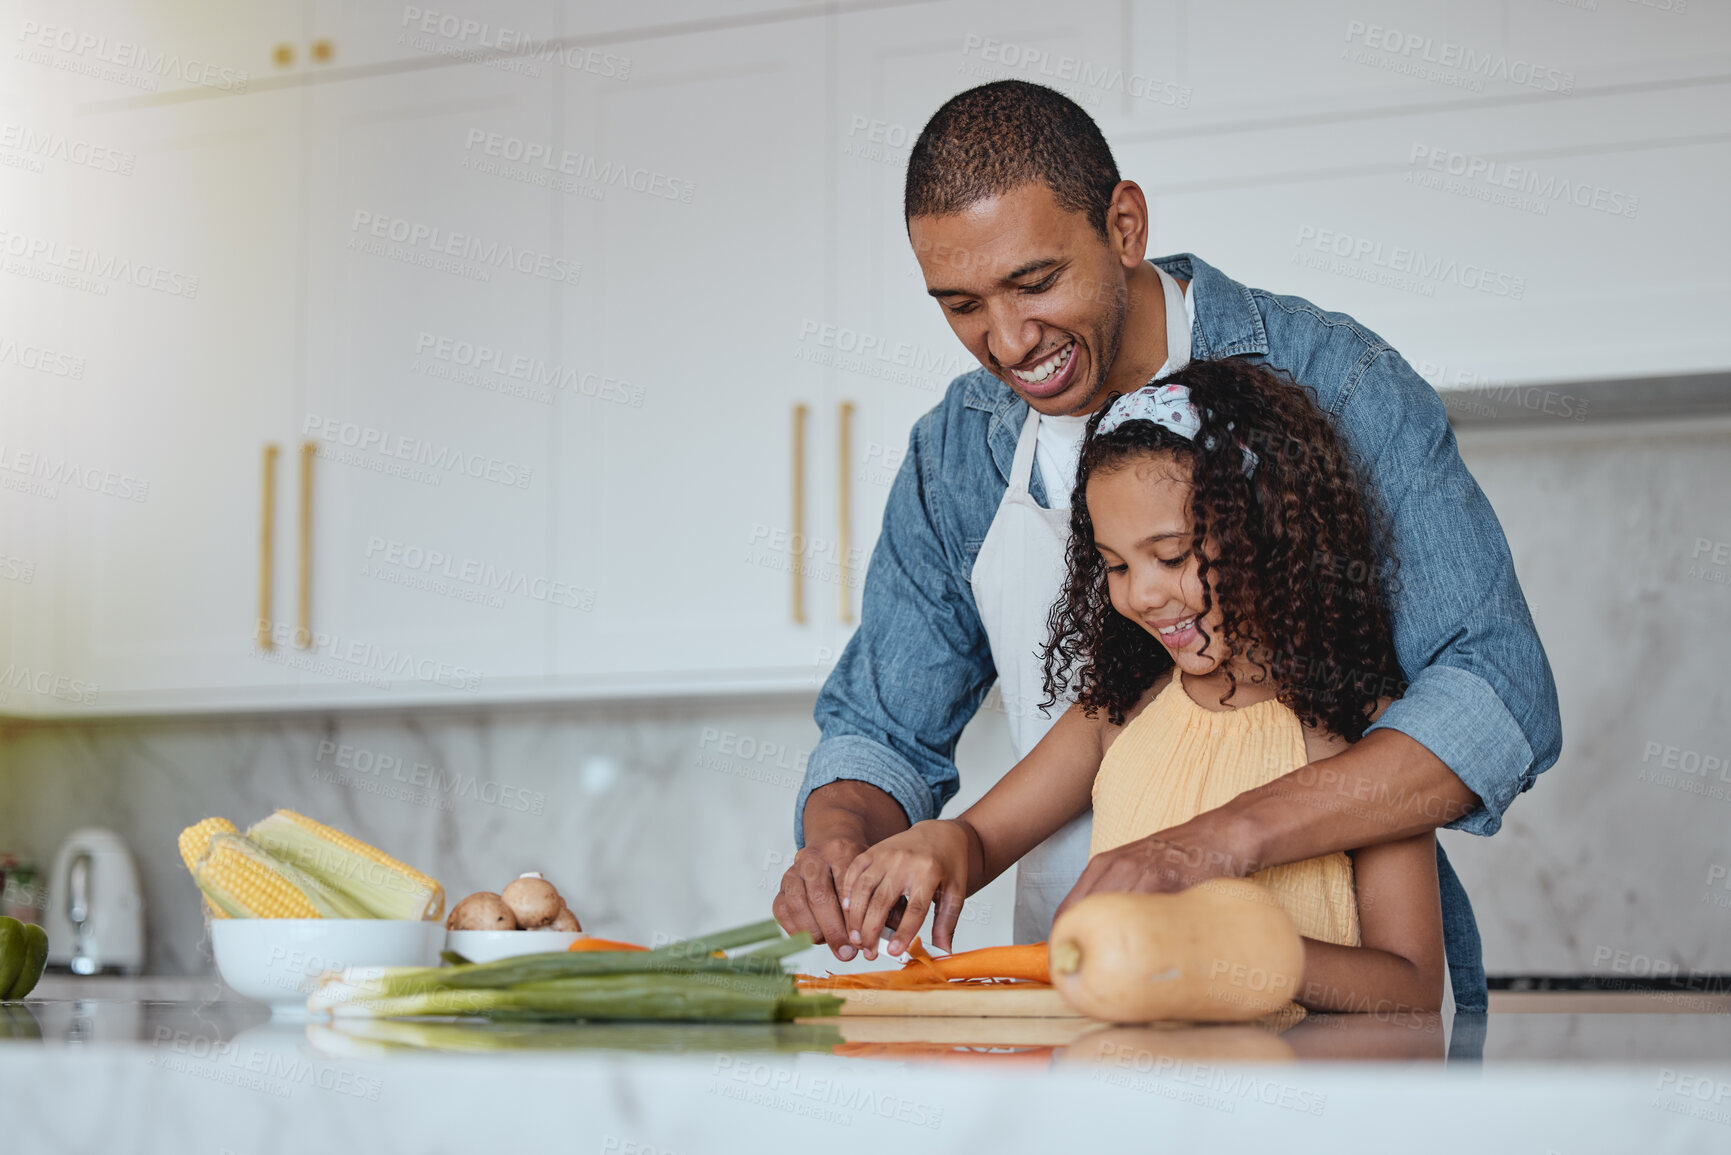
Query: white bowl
[
  {"x": 491, "y": 945},
  {"x": 275, "y": 960}
]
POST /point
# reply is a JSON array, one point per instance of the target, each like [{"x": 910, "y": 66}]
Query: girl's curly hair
[{"x": 1303, "y": 572}]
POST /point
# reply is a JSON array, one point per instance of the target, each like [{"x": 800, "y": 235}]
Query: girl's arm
[
  {"x": 939, "y": 861},
  {"x": 1042, "y": 792},
  {"x": 1400, "y": 965}
]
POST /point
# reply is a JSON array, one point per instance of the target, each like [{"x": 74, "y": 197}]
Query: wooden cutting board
[{"x": 1006, "y": 1001}]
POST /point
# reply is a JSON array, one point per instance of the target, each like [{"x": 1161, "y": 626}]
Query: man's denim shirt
[{"x": 1480, "y": 694}]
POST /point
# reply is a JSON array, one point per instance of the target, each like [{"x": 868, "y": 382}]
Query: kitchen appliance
[{"x": 95, "y": 911}]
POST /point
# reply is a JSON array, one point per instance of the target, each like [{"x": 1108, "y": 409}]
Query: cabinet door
[
  {"x": 432, "y": 287},
  {"x": 169, "y": 282},
  {"x": 696, "y": 194}
]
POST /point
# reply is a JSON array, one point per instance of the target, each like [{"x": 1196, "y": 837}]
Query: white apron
[{"x": 1017, "y": 576}]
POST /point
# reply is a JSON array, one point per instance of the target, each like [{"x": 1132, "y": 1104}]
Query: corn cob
[
  {"x": 193, "y": 841},
  {"x": 245, "y": 881},
  {"x": 370, "y": 878},
  {"x": 195, "y": 838}
]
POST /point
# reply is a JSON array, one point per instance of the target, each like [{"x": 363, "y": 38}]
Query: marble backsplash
[
  {"x": 668, "y": 818},
  {"x": 654, "y": 820}
]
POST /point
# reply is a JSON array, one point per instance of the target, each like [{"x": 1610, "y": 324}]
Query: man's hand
[
  {"x": 809, "y": 900},
  {"x": 841, "y": 820},
  {"x": 1383, "y": 788},
  {"x": 1162, "y": 863}
]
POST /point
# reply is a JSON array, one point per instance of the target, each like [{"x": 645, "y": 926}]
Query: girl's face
[{"x": 1142, "y": 528}]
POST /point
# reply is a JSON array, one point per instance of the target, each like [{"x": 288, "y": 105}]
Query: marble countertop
[{"x": 177, "y": 1065}]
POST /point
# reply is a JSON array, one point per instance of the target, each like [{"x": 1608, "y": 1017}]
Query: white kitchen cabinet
[
  {"x": 180, "y": 314},
  {"x": 432, "y": 286},
  {"x": 697, "y": 194},
  {"x": 545, "y": 321}
]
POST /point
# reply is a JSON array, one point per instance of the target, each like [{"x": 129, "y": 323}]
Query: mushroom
[
  {"x": 482, "y": 910},
  {"x": 566, "y": 921},
  {"x": 534, "y": 901}
]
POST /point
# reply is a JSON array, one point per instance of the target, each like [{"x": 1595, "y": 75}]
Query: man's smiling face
[{"x": 1034, "y": 292}]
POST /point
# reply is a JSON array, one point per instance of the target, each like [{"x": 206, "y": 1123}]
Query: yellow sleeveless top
[{"x": 1177, "y": 759}]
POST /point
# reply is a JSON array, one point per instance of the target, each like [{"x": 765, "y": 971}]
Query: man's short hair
[{"x": 988, "y": 140}]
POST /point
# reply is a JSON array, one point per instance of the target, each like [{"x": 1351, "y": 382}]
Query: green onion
[
  {"x": 644, "y": 996},
  {"x": 685, "y": 981}
]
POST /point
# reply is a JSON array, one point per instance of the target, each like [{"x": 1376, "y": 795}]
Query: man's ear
[{"x": 1127, "y": 224}]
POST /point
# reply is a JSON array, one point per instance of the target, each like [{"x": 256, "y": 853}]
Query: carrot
[
  {"x": 988, "y": 964},
  {"x": 603, "y": 944},
  {"x": 999, "y": 962}
]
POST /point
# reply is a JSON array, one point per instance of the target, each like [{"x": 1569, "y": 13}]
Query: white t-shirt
[{"x": 1058, "y": 440}]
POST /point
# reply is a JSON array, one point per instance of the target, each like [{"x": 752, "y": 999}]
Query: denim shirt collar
[{"x": 1228, "y": 324}]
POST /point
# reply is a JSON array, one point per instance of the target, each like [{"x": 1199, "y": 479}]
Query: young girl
[{"x": 1223, "y": 623}]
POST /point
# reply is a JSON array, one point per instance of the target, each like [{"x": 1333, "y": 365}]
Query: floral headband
[{"x": 1168, "y": 406}]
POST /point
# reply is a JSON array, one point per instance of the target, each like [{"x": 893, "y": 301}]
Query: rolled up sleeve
[
  {"x": 1480, "y": 693},
  {"x": 856, "y": 758},
  {"x": 1456, "y": 715},
  {"x": 918, "y": 666}
]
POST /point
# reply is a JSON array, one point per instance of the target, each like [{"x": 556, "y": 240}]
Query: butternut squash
[{"x": 1222, "y": 951}]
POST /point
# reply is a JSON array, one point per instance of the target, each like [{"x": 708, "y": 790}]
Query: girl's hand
[{"x": 927, "y": 863}]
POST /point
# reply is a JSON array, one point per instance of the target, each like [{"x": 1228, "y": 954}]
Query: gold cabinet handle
[
  {"x": 844, "y": 518},
  {"x": 796, "y": 540},
  {"x": 266, "y": 538},
  {"x": 304, "y": 579}
]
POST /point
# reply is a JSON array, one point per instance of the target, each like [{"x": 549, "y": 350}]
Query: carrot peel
[{"x": 987, "y": 965}]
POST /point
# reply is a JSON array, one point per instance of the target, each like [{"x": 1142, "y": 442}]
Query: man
[{"x": 1035, "y": 250}]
